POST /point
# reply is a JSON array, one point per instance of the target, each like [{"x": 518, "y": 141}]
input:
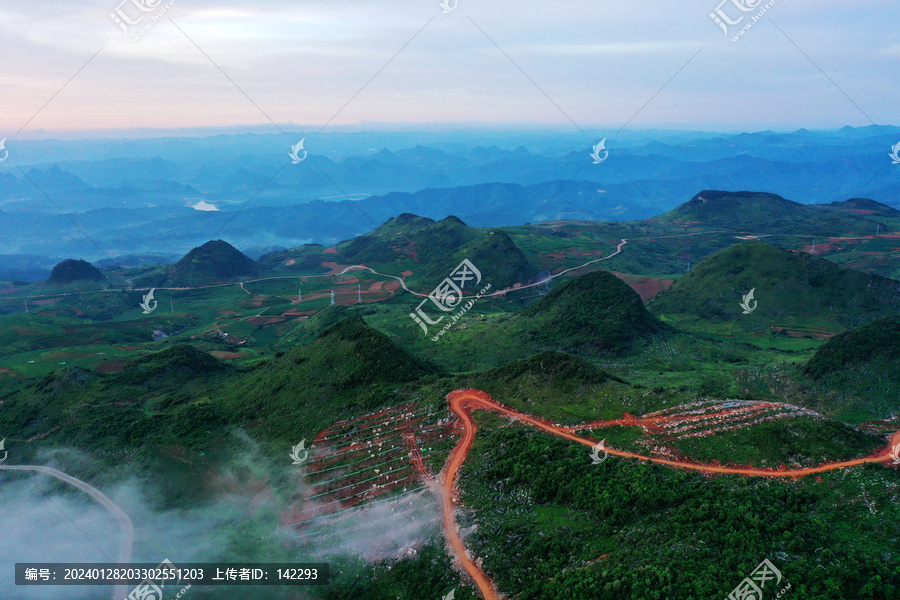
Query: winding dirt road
[
  {"x": 126, "y": 528},
  {"x": 463, "y": 402}
]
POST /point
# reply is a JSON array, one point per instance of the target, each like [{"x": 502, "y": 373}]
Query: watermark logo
[
  {"x": 148, "y": 298},
  {"x": 121, "y": 18},
  {"x": 134, "y": 16},
  {"x": 596, "y": 153},
  {"x": 5, "y": 451},
  {"x": 895, "y": 153},
  {"x": 722, "y": 18},
  {"x": 595, "y": 453},
  {"x": 296, "y": 159},
  {"x": 895, "y": 453},
  {"x": 751, "y": 588},
  {"x": 148, "y": 588},
  {"x": 296, "y": 450},
  {"x": 748, "y": 298},
  {"x": 448, "y": 295},
  {"x": 448, "y": 6},
  {"x": 452, "y": 593},
  {"x": 6, "y": 152}
]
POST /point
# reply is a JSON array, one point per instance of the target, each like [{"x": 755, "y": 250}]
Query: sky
[{"x": 69, "y": 67}]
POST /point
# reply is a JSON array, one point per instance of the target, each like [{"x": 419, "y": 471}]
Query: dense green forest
[{"x": 553, "y": 526}]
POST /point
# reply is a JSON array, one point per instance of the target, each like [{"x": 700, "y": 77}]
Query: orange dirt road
[{"x": 463, "y": 402}]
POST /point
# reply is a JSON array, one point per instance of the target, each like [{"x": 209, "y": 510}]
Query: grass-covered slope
[
  {"x": 419, "y": 239},
  {"x": 559, "y": 386},
  {"x": 307, "y": 258},
  {"x": 350, "y": 367},
  {"x": 176, "y": 363},
  {"x": 213, "y": 261},
  {"x": 71, "y": 271},
  {"x": 876, "y": 341},
  {"x": 164, "y": 397},
  {"x": 433, "y": 249},
  {"x": 765, "y": 213},
  {"x": 496, "y": 256},
  {"x": 556, "y": 368},
  {"x": 184, "y": 396},
  {"x": 350, "y": 353},
  {"x": 553, "y": 526},
  {"x": 595, "y": 312},
  {"x": 789, "y": 287},
  {"x": 865, "y": 206},
  {"x": 735, "y": 210},
  {"x": 795, "y": 442},
  {"x": 859, "y": 371}
]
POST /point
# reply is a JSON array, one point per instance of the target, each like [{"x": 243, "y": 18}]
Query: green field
[{"x": 242, "y": 369}]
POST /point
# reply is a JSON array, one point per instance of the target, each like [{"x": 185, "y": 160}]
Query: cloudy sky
[{"x": 326, "y": 63}]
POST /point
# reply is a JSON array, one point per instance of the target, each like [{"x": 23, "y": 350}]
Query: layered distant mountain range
[{"x": 102, "y": 199}]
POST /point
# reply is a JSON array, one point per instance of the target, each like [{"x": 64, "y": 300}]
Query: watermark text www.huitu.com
[
  {"x": 448, "y": 296},
  {"x": 740, "y": 9}
]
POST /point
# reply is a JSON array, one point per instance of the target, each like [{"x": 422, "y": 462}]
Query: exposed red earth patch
[
  {"x": 65, "y": 355},
  {"x": 406, "y": 273},
  {"x": 883, "y": 427},
  {"x": 820, "y": 248},
  {"x": 222, "y": 355},
  {"x": 410, "y": 250},
  {"x": 331, "y": 250},
  {"x": 12, "y": 374},
  {"x": 111, "y": 366},
  {"x": 46, "y": 301},
  {"x": 554, "y": 224},
  {"x": 819, "y": 334},
  {"x": 10, "y": 290},
  {"x": 259, "y": 321},
  {"x": 646, "y": 287},
  {"x": 295, "y": 312},
  {"x": 334, "y": 268}
]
